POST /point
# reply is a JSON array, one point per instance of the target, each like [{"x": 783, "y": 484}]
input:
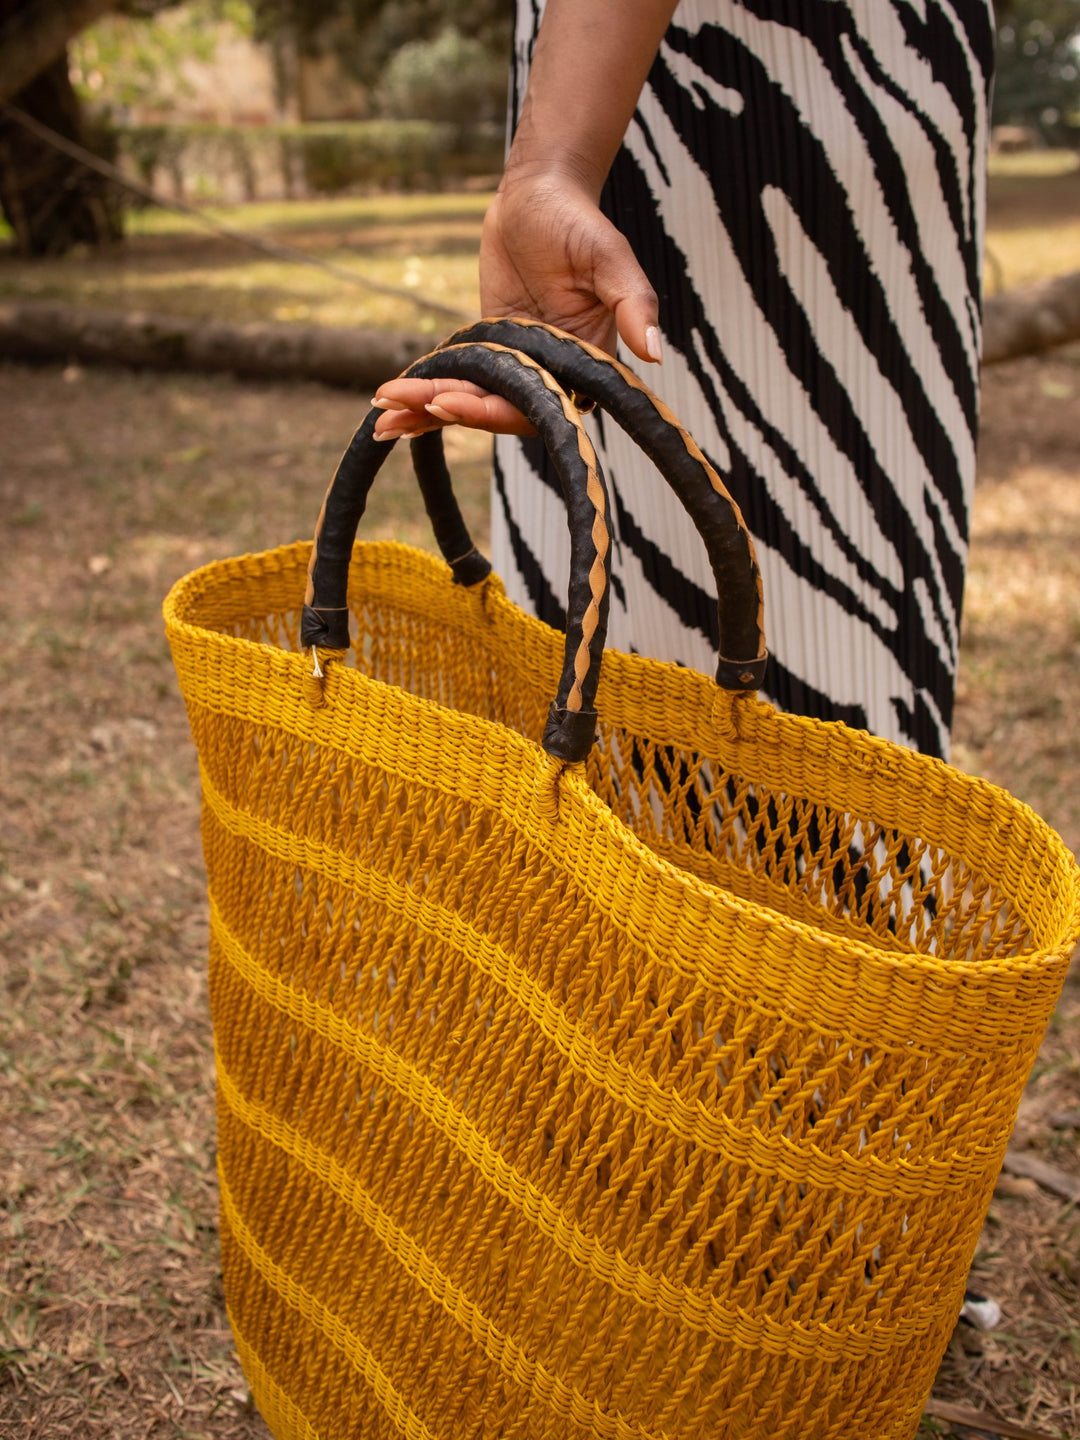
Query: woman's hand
[{"x": 546, "y": 253}]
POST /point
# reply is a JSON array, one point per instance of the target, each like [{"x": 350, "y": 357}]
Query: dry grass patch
[
  {"x": 1033, "y": 220},
  {"x": 1017, "y": 704}
]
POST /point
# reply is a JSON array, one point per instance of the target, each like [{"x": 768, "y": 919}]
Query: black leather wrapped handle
[
  {"x": 533, "y": 365},
  {"x": 571, "y": 725},
  {"x": 591, "y": 373}
]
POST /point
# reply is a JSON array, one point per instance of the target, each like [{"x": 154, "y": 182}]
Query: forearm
[
  {"x": 590, "y": 62},
  {"x": 547, "y": 251}
]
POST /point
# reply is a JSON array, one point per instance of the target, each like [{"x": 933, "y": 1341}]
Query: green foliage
[
  {"x": 398, "y": 21},
  {"x": 366, "y": 34},
  {"x": 127, "y": 59},
  {"x": 1038, "y": 66},
  {"x": 325, "y": 158},
  {"x": 396, "y": 154},
  {"x": 453, "y": 77}
]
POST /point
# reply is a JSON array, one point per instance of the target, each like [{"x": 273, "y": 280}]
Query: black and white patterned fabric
[{"x": 803, "y": 182}]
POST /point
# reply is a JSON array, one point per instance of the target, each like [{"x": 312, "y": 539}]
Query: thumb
[{"x": 623, "y": 287}]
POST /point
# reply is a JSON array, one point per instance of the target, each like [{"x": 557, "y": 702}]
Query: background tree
[
  {"x": 451, "y": 77},
  {"x": 52, "y": 203},
  {"x": 126, "y": 60},
  {"x": 34, "y": 33},
  {"x": 49, "y": 200},
  {"x": 1038, "y": 67},
  {"x": 366, "y": 34}
]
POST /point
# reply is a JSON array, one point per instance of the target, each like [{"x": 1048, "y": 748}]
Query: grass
[
  {"x": 1033, "y": 222},
  {"x": 1033, "y": 164},
  {"x": 111, "y": 1317},
  {"x": 289, "y": 217},
  {"x": 424, "y": 244}
]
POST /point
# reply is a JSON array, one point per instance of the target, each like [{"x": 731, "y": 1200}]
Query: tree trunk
[
  {"x": 1017, "y": 323},
  {"x": 1032, "y": 318},
  {"x": 359, "y": 359},
  {"x": 35, "y": 33},
  {"x": 50, "y": 201}
]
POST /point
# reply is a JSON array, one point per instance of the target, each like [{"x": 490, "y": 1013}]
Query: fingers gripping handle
[
  {"x": 325, "y": 623},
  {"x": 590, "y": 372}
]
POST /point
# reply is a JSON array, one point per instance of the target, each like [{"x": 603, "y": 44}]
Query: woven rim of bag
[{"x": 931, "y": 1000}]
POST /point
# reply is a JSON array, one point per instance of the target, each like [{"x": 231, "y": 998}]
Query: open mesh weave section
[{"x": 662, "y": 1098}]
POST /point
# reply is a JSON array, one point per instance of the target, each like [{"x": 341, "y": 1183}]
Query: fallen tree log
[
  {"x": 360, "y": 359},
  {"x": 1031, "y": 318},
  {"x": 1024, "y": 321}
]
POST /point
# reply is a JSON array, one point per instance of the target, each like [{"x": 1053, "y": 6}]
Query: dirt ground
[{"x": 111, "y": 1314}]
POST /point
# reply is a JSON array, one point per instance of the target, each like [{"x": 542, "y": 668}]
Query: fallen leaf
[
  {"x": 1012, "y": 1187},
  {"x": 187, "y": 456},
  {"x": 1056, "y": 390}
]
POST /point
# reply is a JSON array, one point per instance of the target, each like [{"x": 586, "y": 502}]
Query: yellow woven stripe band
[
  {"x": 708, "y": 934},
  {"x": 543, "y": 1384},
  {"x": 324, "y": 1320},
  {"x": 281, "y": 1412},
  {"x": 769, "y": 1155},
  {"x": 679, "y": 1302}
]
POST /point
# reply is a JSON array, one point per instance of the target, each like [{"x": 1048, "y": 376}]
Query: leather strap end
[
  {"x": 742, "y": 674},
  {"x": 326, "y": 629},
  {"x": 470, "y": 569},
  {"x": 569, "y": 734}
]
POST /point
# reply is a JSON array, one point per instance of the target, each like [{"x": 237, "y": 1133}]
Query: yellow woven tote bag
[{"x": 637, "y": 1065}]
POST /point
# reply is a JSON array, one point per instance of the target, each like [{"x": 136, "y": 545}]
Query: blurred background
[{"x": 223, "y": 224}]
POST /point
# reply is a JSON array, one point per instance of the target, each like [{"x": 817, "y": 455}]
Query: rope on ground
[{"x": 229, "y": 232}]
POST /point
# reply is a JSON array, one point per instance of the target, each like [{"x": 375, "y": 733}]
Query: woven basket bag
[{"x": 636, "y": 1064}]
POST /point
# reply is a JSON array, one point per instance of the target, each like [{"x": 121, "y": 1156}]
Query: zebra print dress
[{"x": 803, "y": 182}]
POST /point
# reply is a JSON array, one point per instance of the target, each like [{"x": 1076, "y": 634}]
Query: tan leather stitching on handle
[
  {"x": 670, "y": 419},
  {"x": 601, "y": 534}
]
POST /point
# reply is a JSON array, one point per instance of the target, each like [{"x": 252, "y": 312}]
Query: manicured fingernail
[
  {"x": 409, "y": 434},
  {"x": 441, "y": 414},
  {"x": 388, "y": 404},
  {"x": 653, "y": 346}
]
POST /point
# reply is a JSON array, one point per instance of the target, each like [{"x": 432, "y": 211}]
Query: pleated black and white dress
[{"x": 803, "y": 182}]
